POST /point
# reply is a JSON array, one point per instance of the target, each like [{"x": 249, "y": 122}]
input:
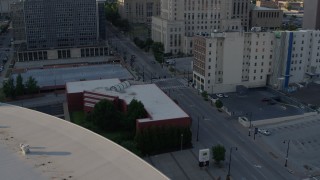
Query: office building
[
  {"x": 311, "y": 17},
  {"x": 266, "y": 18},
  {"x": 5, "y": 7},
  {"x": 139, "y": 11},
  {"x": 223, "y": 61},
  {"x": 55, "y": 29},
  {"x": 179, "y": 21},
  {"x": 19, "y": 30}
]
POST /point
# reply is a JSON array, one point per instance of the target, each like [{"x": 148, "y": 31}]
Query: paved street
[{"x": 249, "y": 162}]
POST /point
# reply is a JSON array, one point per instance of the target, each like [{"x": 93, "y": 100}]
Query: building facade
[
  {"x": 18, "y": 25},
  {"x": 60, "y": 23},
  {"x": 54, "y": 29},
  {"x": 5, "y": 7},
  {"x": 255, "y": 59},
  {"x": 266, "y": 17},
  {"x": 139, "y": 11},
  {"x": 311, "y": 17},
  {"x": 179, "y": 21}
]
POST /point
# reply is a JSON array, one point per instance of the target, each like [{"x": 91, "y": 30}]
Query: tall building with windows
[
  {"x": 311, "y": 17},
  {"x": 179, "y": 21},
  {"x": 223, "y": 61},
  {"x": 139, "y": 11},
  {"x": 55, "y": 29},
  {"x": 60, "y": 23}
]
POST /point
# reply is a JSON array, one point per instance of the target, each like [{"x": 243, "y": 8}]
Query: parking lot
[
  {"x": 308, "y": 94},
  {"x": 304, "y": 147},
  {"x": 59, "y": 76},
  {"x": 260, "y": 104}
]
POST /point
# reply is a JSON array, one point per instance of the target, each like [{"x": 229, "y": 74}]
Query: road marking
[{"x": 257, "y": 166}]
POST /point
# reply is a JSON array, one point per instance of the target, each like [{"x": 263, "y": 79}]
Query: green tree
[
  {"x": 9, "y": 88},
  {"x": 105, "y": 116},
  {"x": 218, "y": 153},
  {"x": 204, "y": 94},
  {"x": 112, "y": 14},
  {"x": 19, "y": 85},
  {"x": 219, "y": 104},
  {"x": 158, "y": 49},
  {"x": 135, "y": 111},
  {"x": 31, "y": 85}
]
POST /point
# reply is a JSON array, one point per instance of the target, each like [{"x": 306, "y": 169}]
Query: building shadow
[
  {"x": 34, "y": 147},
  {"x": 49, "y": 153}
]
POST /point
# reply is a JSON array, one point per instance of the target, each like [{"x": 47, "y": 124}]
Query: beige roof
[
  {"x": 71, "y": 150},
  {"x": 158, "y": 105}
]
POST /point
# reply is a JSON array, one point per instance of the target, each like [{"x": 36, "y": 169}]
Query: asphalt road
[
  {"x": 251, "y": 161},
  {"x": 144, "y": 62}
]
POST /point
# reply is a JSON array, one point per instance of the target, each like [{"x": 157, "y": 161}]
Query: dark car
[{"x": 265, "y": 100}]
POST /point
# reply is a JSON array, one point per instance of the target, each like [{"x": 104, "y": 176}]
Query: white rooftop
[
  {"x": 80, "y": 86},
  {"x": 62, "y": 150},
  {"x": 158, "y": 105}
]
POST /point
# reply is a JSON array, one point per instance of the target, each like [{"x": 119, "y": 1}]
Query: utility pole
[
  {"x": 181, "y": 141},
  {"x": 228, "y": 176},
  {"x": 142, "y": 73},
  {"x": 288, "y": 141},
  {"x": 198, "y": 130}
]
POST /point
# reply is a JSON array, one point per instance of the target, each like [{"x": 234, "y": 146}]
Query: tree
[
  {"x": 9, "y": 88},
  {"x": 112, "y": 14},
  {"x": 105, "y": 116},
  {"x": 158, "y": 49},
  {"x": 19, "y": 85},
  {"x": 204, "y": 94},
  {"x": 135, "y": 111},
  {"x": 219, "y": 104},
  {"x": 31, "y": 85},
  {"x": 218, "y": 153}
]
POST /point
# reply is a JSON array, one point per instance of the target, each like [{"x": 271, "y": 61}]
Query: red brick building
[{"x": 161, "y": 110}]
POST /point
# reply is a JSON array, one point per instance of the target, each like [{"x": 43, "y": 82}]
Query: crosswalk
[
  {"x": 173, "y": 87},
  {"x": 171, "y": 83}
]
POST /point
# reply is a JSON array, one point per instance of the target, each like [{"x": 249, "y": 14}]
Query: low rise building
[{"x": 161, "y": 110}]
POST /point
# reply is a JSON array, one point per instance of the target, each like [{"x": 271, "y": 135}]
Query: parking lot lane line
[{"x": 180, "y": 167}]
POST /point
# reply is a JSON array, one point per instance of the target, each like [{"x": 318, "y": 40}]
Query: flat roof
[
  {"x": 158, "y": 105},
  {"x": 80, "y": 86},
  {"x": 62, "y": 150},
  {"x": 259, "y": 8},
  {"x": 60, "y": 76}
]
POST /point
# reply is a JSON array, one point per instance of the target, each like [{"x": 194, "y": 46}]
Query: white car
[
  {"x": 264, "y": 132},
  {"x": 219, "y": 95},
  {"x": 225, "y": 95}
]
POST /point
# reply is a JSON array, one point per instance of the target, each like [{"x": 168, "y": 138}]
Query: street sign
[{"x": 204, "y": 157}]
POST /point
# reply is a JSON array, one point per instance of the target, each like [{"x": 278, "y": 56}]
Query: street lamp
[
  {"x": 287, "y": 141},
  {"x": 198, "y": 130},
  {"x": 250, "y": 125},
  {"x": 228, "y": 176},
  {"x": 181, "y": 141}
]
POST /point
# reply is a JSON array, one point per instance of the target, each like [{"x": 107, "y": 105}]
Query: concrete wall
[{"x": 275, "y": 120}]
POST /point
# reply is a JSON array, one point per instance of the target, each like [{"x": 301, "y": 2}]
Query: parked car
[
  {"x": 225, "y": 95},
  {"x": 171, "y": 62},
  {"x": 265, "y": 100},
  {"x": 264, "y": 132},
  {"x": 219, "y": 95}
]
